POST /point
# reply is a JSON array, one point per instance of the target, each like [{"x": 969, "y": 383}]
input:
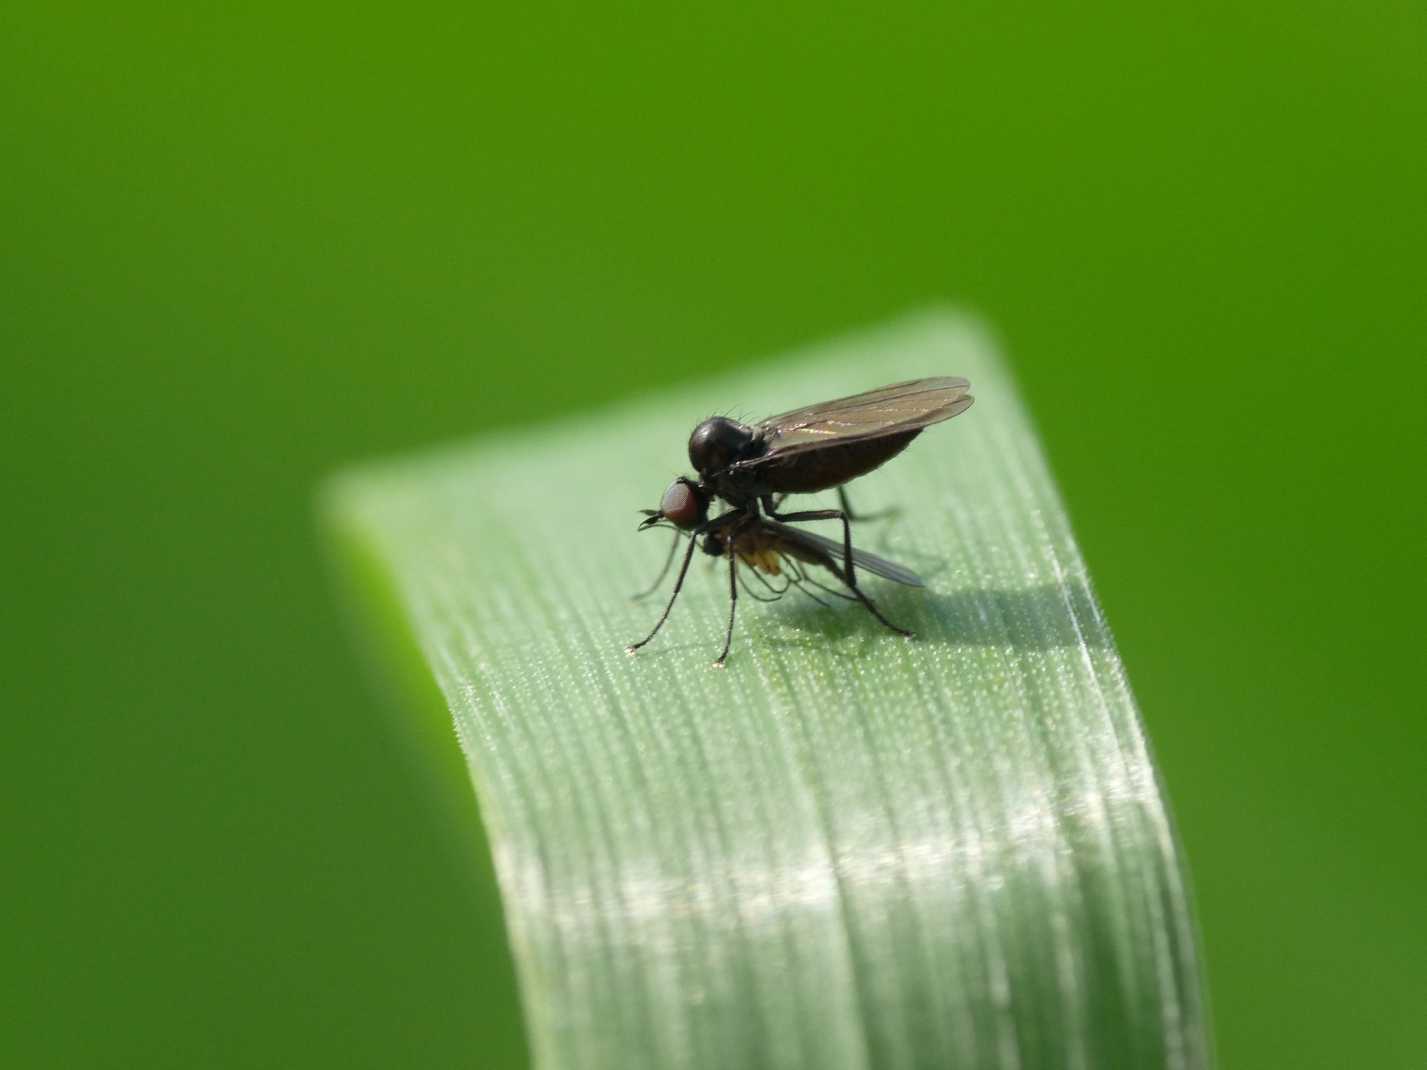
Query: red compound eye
[{"x": 680, "y": 504}]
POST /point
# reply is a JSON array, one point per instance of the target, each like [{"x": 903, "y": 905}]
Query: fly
[
  {"x": 778, "y": 556},
  {"x": 752, "y": 468}
]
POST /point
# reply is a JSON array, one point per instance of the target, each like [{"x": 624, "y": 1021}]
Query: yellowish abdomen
[{"x": 764, "y": 560}]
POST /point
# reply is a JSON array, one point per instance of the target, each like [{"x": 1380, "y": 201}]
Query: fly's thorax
[
  {"x": 738, "y": 486},
  {"x": 719, "y": 442}
]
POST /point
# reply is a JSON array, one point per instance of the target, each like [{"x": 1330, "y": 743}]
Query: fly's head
[{"x": 685, "y": 505}]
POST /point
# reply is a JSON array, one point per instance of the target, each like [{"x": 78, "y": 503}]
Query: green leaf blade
[{"x": 844, "y": 849}]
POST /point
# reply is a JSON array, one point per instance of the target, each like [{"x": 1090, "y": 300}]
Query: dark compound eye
[{"x": 681, "y": 505}]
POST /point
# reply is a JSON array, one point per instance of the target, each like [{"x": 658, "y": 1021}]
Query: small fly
[{"x": 752, "y": 468}]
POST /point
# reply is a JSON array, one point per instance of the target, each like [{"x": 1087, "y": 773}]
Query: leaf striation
[{"x": 845, "y": 850}]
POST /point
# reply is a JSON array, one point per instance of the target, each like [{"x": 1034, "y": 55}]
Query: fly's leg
[
  {"x": 775, "y": 592},
  {"x": 772, "y": 502},
  {"x": 828, "y": 590},
  {"x": 732, "y": 608},
  {"x": 847, "y": 508},
  {"x": 669, "y": 560},
  {"x": 678, "y": 584},
  {"x": 878, "y": 614},
  {"x": 848, "y": 576},
  {"x": 831, "y": 564},
  {"x": 713, "y": 525},
  {"x": 801, "y": 578}
]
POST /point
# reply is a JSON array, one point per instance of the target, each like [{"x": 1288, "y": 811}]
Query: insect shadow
[{"x": 1045, "y": 617}]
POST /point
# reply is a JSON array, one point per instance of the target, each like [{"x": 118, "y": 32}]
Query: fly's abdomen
[
  {"x": 821, "y": 469},
  {"x": 763, "y": 558}
]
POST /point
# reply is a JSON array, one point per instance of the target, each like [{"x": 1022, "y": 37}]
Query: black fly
[{"x": 752, "y": 468}]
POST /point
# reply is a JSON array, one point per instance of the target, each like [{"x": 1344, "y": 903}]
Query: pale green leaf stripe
[{"x": 845, "y": 849}]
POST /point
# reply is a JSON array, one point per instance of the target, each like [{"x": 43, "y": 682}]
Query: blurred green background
[{"x": 242, "y": 248}]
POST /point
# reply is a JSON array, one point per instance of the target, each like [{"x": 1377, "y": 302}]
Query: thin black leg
[
  {"x": 775, "y": 592},
  {"x": 831, "y": 564},
  {"x": 732, "y": 608},
  {"x": 871, "y": 608},
  {"x": 668, "y": 560},
  {"x": 802, "y": 579},
  {"x": 848, "y": 576},
  {"x": 843, "y": 595},
  {"x": 678, "y": 585},
  {"x": 851, "y": 515}
]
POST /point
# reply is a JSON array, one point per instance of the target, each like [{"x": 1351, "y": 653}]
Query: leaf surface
[{"x": 845, "y": 849}]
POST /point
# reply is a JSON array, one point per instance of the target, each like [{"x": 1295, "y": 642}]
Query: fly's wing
[
  {"x": 901, "y": 407},
  {"x": 878, "y": 566}
]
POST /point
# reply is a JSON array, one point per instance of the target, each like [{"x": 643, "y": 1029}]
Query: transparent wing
[
  {"x": 900, "y": 407},
  {"x": 867, "y": 562}
]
